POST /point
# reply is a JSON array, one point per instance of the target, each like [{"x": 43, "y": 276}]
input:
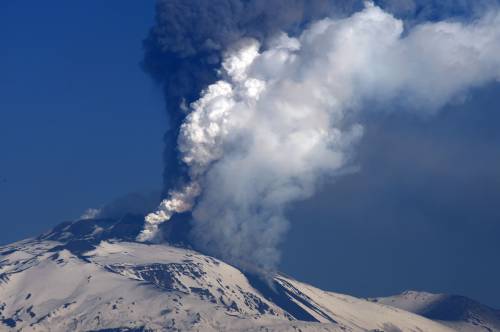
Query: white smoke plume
[
  {"x": 284, "y": 117},
  {"x": 177, "y": 202}
]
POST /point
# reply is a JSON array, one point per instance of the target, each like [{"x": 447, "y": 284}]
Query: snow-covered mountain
[
  {"x": 458, "y": 312},
  {"x": 91, "y": 275}
]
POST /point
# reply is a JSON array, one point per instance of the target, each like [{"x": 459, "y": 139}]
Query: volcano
[{"x": 91, "y": 275}]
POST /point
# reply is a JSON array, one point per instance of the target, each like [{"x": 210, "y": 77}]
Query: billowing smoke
[
  {"x": 184, "y": 49},
  {"x": 283, "y": 116}
]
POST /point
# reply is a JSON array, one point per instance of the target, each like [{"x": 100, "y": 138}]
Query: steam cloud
[
  {"x": 283, "y": 116},
  {"x": 185, "y": 47}
]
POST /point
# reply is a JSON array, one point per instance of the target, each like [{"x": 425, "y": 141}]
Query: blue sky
[{"x": 81, "y": 124}]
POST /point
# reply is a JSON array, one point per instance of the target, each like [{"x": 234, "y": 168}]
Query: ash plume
[
  {"x": 184, "y": 49},
  {"x": 281, "y": 113}
]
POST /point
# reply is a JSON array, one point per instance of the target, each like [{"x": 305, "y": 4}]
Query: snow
[
  {"x": 362, "y": 314},
  {"x": 458, "y": 312},
  {"x": 44, "y": 286},
  {"x": 412, "y": 301}
]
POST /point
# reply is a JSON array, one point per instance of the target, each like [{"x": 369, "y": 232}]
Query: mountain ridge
[{"x": 91, "y": 275}]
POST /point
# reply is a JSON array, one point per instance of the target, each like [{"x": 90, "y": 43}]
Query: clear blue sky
[{"x": 81, "y": 124}]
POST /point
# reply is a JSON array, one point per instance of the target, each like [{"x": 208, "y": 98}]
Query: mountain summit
[{"x": 91, "y": 275}]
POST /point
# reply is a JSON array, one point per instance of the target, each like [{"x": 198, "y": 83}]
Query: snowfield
[
  {"x": 79, "y": 278},
  {"x": 458, "y": 312}
]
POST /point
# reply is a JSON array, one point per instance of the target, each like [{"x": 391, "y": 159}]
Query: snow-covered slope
[
  {"x": 458, "y": 312},
  {"x": 92, "y": 276}
]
